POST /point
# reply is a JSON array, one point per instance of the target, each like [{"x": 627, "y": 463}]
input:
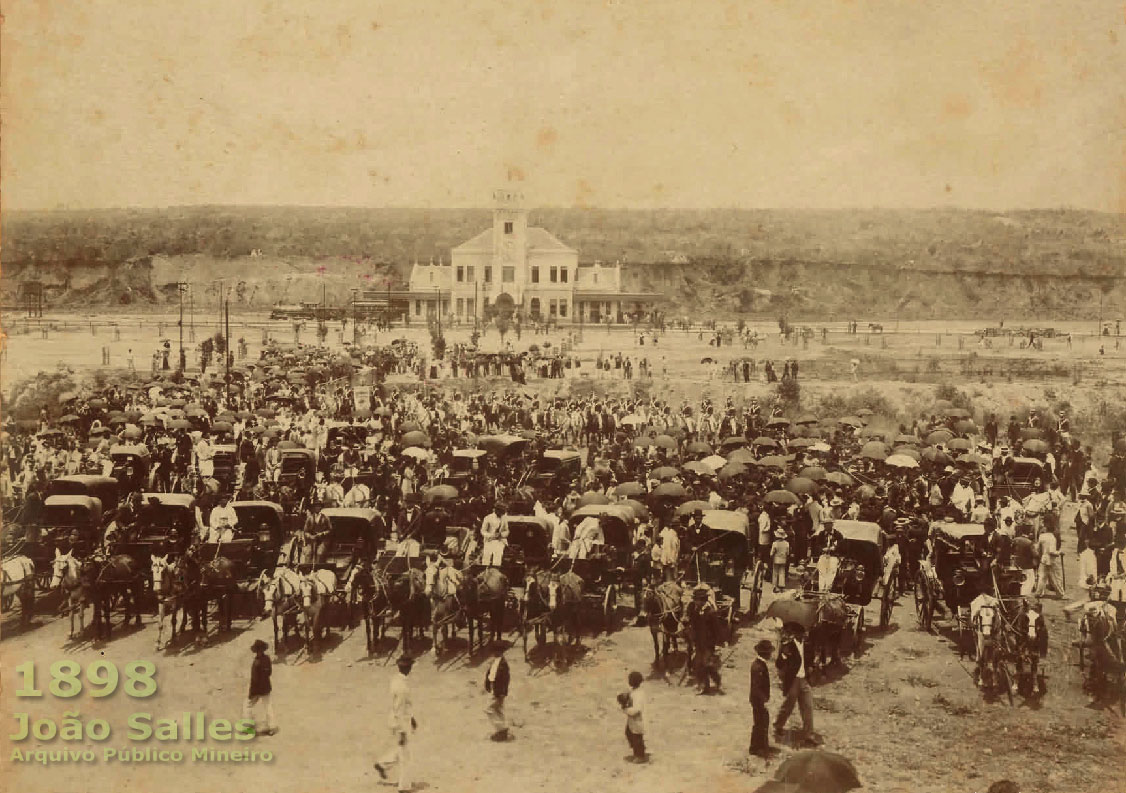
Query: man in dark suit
[
  {"x": 795, "y": 686},
  {"x": 760, "y": 694}
]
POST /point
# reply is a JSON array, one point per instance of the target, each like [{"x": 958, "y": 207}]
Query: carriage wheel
[
  {"x": 609, "y": 604},
  {"x": 43, "y": 580},
  {"x": 923, "y": 605},
  {"x": 885, "y": 609}
]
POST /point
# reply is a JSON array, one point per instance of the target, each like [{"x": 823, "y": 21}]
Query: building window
[
  {"x": 535, "y": 275},
  {"x": 508, "y": 227},
  {"x": 460, "y": 274},
  {"x": 554, "y": 274},
  {"x": 418, "y": 308},
  {"x": 595, "y": 277},
  {"x": 563, "y": 275},
  {"x": 563, "y": 308},
  {"x": 535, "y": 307},
  {"x": 460, "y": 306},
  {"x": 488, "y": 274},
  {"x": 553, "y": 307},
  {"x": 431, "y": 277},
  {"x": 508, "y": 274},
  {"x": 470, "y": 273}
]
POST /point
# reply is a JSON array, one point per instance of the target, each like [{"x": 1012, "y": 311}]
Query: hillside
[{"x": 873, "y": 263}]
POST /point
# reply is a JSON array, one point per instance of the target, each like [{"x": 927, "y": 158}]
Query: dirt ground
[{"x": 904, "y": 710}]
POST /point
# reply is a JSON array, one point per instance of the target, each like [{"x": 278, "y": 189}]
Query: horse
[
  {"x": 990, "y": 673},
  {"x": 317, "y": 587},
  {"x": 875, "y": 327},
  {"x": 824, "y": 637},
  {"x": 1101, "y": 634},
  {"x": 551, "y": 600},
  {"x": 218, "y": 582},
  {"x": 474, "y": 598},
  {"x": 119, "y": 577},
  {"x": 281, "y": 597},
  {"x": 365, "y": 586},
  {"x": 76, "y": 580},
  {"x": 176, "y": 585},
  {"x": 19, "y": 582},
  {"x": 663, "y": 606},
  {"x": 407, "y": 597}
]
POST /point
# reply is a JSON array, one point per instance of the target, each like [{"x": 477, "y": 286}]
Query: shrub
[{"x": 788, "y": 392}]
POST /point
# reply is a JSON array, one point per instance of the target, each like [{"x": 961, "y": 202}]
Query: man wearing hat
[
  {"x": 760, "y": 695},
  {"x": 780, "y": 560},
  {"x": 494, "y": 536},
  {"x": 402, "y": 723},
  {"x": 792, "y": 677},
  {"x": 260, "y": 689},
  {"x": 704, "y": 624}
]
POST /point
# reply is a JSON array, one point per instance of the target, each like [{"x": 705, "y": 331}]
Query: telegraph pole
[
  {"x": 227, "y": 347},
  {"x": 180, "y": 287}
]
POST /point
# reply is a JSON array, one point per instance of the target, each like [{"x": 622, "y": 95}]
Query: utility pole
[
  {"x": 227, "y": 347},
  {"x": 191, "y": 313},
  {"x": 180, "y": 287},
  {"x": 355, "y": 324},
  {"x": 438, "y": 308}
]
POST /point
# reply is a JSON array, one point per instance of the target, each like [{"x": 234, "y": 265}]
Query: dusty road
[{"x": 905, "y": 710}]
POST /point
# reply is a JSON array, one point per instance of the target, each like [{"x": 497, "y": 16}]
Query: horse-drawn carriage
[
  {"x": 69, "y": 524},
  {"x": 130, "y": 466},
  {"x": 556, "y": 468},
  {"x": 863, "y": 574},
  {"x": 354, "y": 533},
  {"x": 720, "y": 562},
  {"x": 529, "y": 545},
  {"x": 103, "y": 488},
  {"x": 602, "y": 566},
  {"x": 464, "y": 464},
  {"x": 1019, "y": 478},
  {"x": 297, "y": 466},
  {"x": 952, "y": 576}
]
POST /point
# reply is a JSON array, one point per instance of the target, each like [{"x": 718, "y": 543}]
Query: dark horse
[
  {"x": 1105, "y": 638},
  {"x": 381, "y": 596},
  {"x": 218, "y": 582},
  {"x": 476, "y": 597},
  {"x": 551, "y": 600},
  {"x": 120, "y": 576},
  {"x": 664, "y": 612}
]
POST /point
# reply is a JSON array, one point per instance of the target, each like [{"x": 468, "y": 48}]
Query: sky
[{"x": 689, "y": 104}]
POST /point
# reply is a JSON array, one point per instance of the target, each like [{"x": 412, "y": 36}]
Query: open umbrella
[
  {"x": 630, "y": 489},
  {"x": 814, "y": 472},
  {"x": 901, "y": 461},
  {"x": 908, "y": 439},
  {"x": 288, "y": 444},
  {"x": 414, "y": 438},
  {"x": 669, "y": 490},
  {"x": 731, "y": 470},
  {"x": 773, "y": 461},
  {"x": 959, "y": 444},
  {"x": 664, "y": 472},
  {"x": 267, "y": 413},
  {"x": 133, "y": 415},
  {"x": 973, "y": 459},
  {"x": 1033, "y": 446},
  {"x": 699, "y": 467},
  {"x": 132, "y": 433},
  {"x": 852, "y": 421},
  {"x": 789, "y": 611},
  {"x": 807, "y": 418},
  {"x": 939, "y": 436},
  {"x": 68, "y": 418},
  {"x": 410, "y": 426},
  {"x": 840, "y": 478},
  {"x": 801, "y": 485},
  {"x": 815, "y": 770},
  {"x": 872, "y": 432},
  {"x": 865, "y": 412},
  {"x": 222, "y": 426},
  {"x": 938, "y": 456},
  {"x": 179, "y": 424},
  {"x": 632, "y": 420},
  {"x": 874, "y": 450},
  {"x": 763, "y": 440},
  {"x": 592, "y": 497},
  {"x": 688, "y": 507},
  {"x": 741, "y": 456},
  {"x": 780, "y": 497},
  {"x": 715, "y": 462},
  {"x": 957, "y": 413},
  {"x": 965, "y": 425},
  {"x": 778, "y": 421},
  {"x": 639, "y": 509},
  {"x": 909, "y": 451},
  {"x": 803, "y": 443},
  {"x": 665, "y": 442},
  {"x": 698, "y": 447},
  {"x": 416, "y": 452},
  {"x": 734, "y": 442}
]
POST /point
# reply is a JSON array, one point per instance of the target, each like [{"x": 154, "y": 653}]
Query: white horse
[
  {"x": 66, "y": 572},
  {"x": 19, "y": 581}
]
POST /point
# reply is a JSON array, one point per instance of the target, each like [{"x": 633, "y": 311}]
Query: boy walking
[
  {"x": 632, "y": 703},
  {"x": 260, "y": 688},
  {"x": 780, "y": 559}
]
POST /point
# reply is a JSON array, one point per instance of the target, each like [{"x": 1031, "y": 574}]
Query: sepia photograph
[{"x": 585, "y": 396}]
